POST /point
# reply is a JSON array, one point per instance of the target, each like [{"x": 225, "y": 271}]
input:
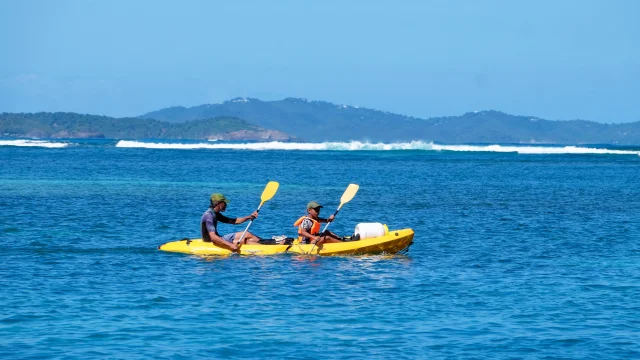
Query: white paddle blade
[{"x": 351, "y": 191}]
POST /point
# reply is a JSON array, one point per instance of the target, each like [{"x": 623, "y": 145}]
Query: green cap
[
  {"x": 313, "y": 205},
  {"x": 219, "y": 197}
]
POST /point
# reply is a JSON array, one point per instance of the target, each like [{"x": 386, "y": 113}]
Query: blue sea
[{"x": 520, "y": 252}]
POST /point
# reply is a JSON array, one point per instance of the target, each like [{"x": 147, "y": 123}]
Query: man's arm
[
  {"x": 236, "y": 221},
  {"x": 222, "y": 242},
  {"x": 211, "y": 231},
  {"x": 246, "y": 218}
]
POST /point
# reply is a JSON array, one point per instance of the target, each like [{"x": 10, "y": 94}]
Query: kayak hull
[
  {"x": 199, "y": 247},
  {"x": 392, "y": 243}
]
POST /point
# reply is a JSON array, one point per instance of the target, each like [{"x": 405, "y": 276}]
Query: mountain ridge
[
  {"x": 310, "y": 120},
  {"x": 324, "y": 121}
]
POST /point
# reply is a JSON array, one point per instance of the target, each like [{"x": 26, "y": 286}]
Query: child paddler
[
  {"x": 309, "y": 227},
  {"x": 209, "y": 225}
]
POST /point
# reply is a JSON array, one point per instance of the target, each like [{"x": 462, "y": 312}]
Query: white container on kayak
[{"x": 371, "y": 230}]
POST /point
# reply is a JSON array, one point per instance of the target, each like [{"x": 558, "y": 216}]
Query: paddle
[
  {"x": 351, "y": 191},
  {"x": 267, "y": 194}
]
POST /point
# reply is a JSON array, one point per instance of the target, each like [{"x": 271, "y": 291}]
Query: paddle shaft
[
  {"x": 247, "y": 229},
  {"x": 334, "y": 216},
  {"x": 268, "y": 192},
  {"x": 325, "y": 228}
]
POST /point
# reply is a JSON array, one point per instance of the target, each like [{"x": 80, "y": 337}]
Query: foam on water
[
  {"x": 534, "y": 149},
  {"x": 358, "y": 145},
  {"x": 38, "y": 143}
]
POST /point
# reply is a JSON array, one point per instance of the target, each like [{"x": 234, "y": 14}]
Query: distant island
[
  {"x": 301, "y": 119},
  {"x": 72, "y": 125}
]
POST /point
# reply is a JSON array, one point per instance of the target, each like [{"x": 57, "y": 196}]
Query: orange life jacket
[{"x": 315, "y": 228}]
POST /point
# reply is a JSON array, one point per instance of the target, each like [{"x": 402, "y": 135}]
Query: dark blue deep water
[{"x": 515, "y": 255}]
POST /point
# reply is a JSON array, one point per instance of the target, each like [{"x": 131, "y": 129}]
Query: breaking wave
[
  {"x": 277, "y": 145},
  {"x": 38, "y": 143},
  {"x": 364, "y": 146},
  {"x": 535, "y": 149}
]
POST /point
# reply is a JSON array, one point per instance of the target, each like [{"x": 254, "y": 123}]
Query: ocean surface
[{"x": 520, "y": 252}]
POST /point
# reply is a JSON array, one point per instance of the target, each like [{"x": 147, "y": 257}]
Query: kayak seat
[
  {"x": 354, "y": 237},
  {"x": 277, "y": 240}
]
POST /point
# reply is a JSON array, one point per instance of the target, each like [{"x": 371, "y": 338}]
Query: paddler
[
  {"x": 209, "y": 225},
  {"x": 309, "y": 227}
]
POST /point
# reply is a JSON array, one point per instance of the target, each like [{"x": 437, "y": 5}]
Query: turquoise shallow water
[{"x": 515, "y": 256}]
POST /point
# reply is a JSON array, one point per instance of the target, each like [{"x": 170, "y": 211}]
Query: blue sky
[{"x": 553, "y": 59}]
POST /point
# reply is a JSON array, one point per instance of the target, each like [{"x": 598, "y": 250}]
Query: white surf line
[
  {"x": 37, "y": 143},
  {"x": 367, "y": 146},
  {"x": 534, "y": 149},
  {"x": 277, "y": 145}
]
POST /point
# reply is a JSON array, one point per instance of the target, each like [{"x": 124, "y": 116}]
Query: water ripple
[{"x": 514, "y": 257}]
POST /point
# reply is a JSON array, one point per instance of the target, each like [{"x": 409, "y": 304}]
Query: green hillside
[{"x": 72, "y": 125}]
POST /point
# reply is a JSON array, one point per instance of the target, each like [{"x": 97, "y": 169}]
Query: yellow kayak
[{"x": 391, "y": 243}]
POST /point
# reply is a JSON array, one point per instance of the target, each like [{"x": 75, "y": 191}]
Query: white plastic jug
[{"x": 371, "y": 230}]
